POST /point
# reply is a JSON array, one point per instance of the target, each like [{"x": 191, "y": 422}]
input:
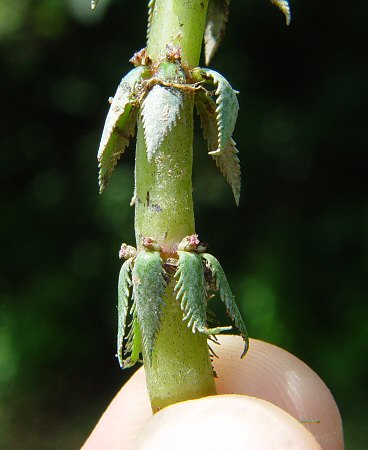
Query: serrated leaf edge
[
  {"x": 111, "y": 134},
  {"x": 221, "y": 84},
  {"x": 151, "y": 7},
  {"x": 152, "y": 145},
  {"x": 206, "y": 116},
  {"x": 124, "y": 294},
  {"x": 226, "y": 296},
  {"x": 181, "y": 289},
  {"x": 233, "y": 177},
  {"x": 149, "y": 347},
  {"x": 210, "y": 50},
  {"x": 134, "y": 344}
]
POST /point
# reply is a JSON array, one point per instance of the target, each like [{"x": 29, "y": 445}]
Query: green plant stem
[
  {"x": 163, "y": 187},
  {"x": 178, "y": 22},
  {"x": 181, "y": 367}
]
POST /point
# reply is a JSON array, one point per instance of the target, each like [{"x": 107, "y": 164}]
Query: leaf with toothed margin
[
  {"x": 216, "y": 19},
  {"x": 160, "y": 113},
  {"x": 227, "y": 160},
  {"x": 124, "y": 285},
  {"x": 134, "y": 342},
  {"x": 227, "y": 107},
  {"x": 148, "y": 291},
  {"x": 119, "y": 125},
  {"x": 226, "y": 296},
  {"x": 229, "y": 165},
  {"x": 190, "y": 291},
  {"x": 151, "y": 6},
  {"x": 284, "y": 6}
]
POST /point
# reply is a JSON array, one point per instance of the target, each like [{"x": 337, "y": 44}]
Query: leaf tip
[
  {"x": 216, "y": 20},
  {"x": 246, "y": 346},
  {"x": 284, "y": 7}
]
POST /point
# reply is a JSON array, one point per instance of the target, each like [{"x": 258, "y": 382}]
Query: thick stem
[
  {"x": 181, "y": 367},
  {"x": 163, "y": 187},
  {"x": 181, "y": 23}
]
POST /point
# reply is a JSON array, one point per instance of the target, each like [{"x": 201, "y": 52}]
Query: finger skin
[
  {"x": 266, "y": 372},
  {"x": 224, "y": 422},
  {"x": 275, "y": 375}
]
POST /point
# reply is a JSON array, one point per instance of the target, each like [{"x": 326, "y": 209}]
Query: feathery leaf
[
  {"x": 124, "y": 285},
  {"x": 119, "y": 125},
  {"x": 229, "y": 165},
  {"x": 134, "y": 342},
  {"x": 227, "y": 160},
  {"x": 190, "y": 291},
  {"x": 226, "y": 296},
  {"x": 217, "y": 16},
  {"x": 227, "y": 107}
]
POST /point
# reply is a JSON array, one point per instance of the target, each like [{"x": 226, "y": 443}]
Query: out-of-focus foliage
[{"x": 295, "y": 251}]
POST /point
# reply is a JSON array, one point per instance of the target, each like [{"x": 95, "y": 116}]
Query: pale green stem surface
[
  {"x": 181, "y": 367},
  {"x": 163, "y": 187},
  {"x": 178, "y": 22}
]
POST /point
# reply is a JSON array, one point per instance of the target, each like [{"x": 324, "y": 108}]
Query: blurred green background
[{"x": 295, "y": 250}]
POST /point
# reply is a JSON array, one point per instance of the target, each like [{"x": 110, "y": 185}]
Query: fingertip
[
  {"x": 273, "y": 374},
  {"x": 227, "y": 422}
]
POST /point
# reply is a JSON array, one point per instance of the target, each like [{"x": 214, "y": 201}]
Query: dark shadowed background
[{"x": 295, "y": 251}]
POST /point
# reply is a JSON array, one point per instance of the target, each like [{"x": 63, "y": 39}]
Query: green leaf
[
  {"x": 124, "y": 285},
  {"x": 217, "y": 16},
  {"x": 226, "y": 110},
  {"x": 148, "y": 291},
  {"x": 226, "y": 296},
  {"x": 134, "y": 344},
  {"x": 190, "y": 291},
  {"x": 206, "y": 109},
  {"x": 227, "y": 160},
  {"x": 229, "y": 165},
  {"x": 160, "y": 112},
  {"x": 283, "y": 5},
  {"x": 119, "y": 125}
]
